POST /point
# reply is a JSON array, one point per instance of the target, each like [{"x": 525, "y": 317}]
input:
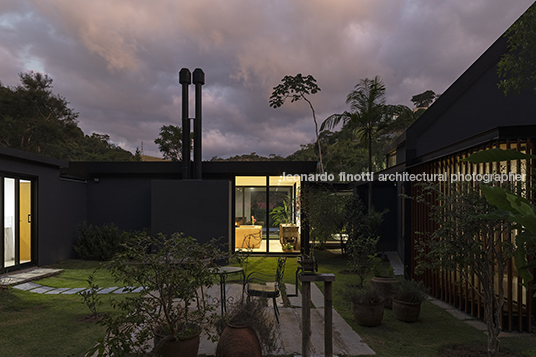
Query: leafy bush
[
  {"x": 363, "y": 295},
  {"x": 410, "y": 291},
  {"x": 361, "y": 252},
  {"x": 99, "y": 243}
]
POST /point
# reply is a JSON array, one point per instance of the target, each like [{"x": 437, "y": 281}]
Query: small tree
[
  {"x": 466, "y": 242},
  {"x": 325, "y": 212},
  {"x": 298, "y": 88},
  {"x": 169, "y": 142},
  {"x": 424, "y": 100}
]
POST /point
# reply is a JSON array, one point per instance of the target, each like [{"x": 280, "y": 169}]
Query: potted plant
[
  {"x": 282, "y": 218},
  {"x": 246, "y": 330},
  {"x": 287, "y": 247},
  {"x": 383, "y": 280},
  {"x": 170, "y": 310},
  {"x": 407, "y": 299},
  {"x": 361, "y": 250},
  {"x": 367, "y": 304}
]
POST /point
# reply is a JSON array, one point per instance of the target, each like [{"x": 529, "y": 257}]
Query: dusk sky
[{"x": 117, "y": 62}]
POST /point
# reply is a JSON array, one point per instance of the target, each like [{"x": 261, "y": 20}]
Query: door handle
[{"x": 30, "y": 218}]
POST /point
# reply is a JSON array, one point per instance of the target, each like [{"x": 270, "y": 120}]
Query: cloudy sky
[{"x": 117, "y": 62}]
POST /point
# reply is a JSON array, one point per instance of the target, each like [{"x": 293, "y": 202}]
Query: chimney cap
[
  {"x": 199, "y": 76},
  {"x": 185, "y": 77}
]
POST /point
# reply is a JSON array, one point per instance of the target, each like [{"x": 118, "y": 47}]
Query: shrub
[
  {"x": 410, "y": 291},
  {"x": 99, "y": 243}
]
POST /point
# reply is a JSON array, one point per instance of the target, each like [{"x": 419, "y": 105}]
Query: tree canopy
[
  {"x": 425, "y": 99},
  {"x": 169, "y": 142},
  {"x": 297, "y": 88},
  {"x": 34, "y": 119},
  {"x": 517, "y": 67}
]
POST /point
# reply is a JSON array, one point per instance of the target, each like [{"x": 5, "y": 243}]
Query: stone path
[
  {"x": 27, "y": 275},
  {"x": 345, "y": 340}
]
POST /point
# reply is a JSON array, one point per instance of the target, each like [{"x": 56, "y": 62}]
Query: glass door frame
[
  {"x": 17, "y": 265},
  {"x": 267, "y": 185}
]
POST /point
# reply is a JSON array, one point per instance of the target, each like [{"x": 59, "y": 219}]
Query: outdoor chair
[{"x": 263, "y": 285}]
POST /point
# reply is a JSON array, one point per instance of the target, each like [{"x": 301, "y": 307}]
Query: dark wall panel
[
  {"x": 62, "y": 208},
  {"x": 59, "y": 205},
  {"x": 384, "y": 196},
  {"x": 201, "y": 209},
  {"x": 124, "y": 201}
]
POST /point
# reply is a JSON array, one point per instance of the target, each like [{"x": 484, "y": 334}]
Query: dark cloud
[{"x": 117, "y": 62}]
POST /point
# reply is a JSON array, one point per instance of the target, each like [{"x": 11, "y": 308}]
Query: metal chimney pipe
[
  {"x": 185, "y": 78},
  {"x": 199, "y": 80}
]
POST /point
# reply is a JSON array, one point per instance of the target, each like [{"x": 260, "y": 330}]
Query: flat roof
[{"x": 168, "y": 169}]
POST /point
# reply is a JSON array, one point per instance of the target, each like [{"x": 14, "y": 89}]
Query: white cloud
[{"x": 117, "y": 62}]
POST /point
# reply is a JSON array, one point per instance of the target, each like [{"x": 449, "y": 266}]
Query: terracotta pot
[
  {"x": 238, "y": 341},
  {"x": 385, "y": 286},
  {"x": 187, "y": 347},
  {"x": 406, "y": 311},
  {"x": 368, "y": 315}
]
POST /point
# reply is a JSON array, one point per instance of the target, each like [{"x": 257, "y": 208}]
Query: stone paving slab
[
  {"x": 73, "y": 291},
  {"x": 396, "y": 263},
  {"x": 295, "y": 301},
  {"x": 42, "y": 289},
  {"x": 27, "y": 286},
  {"x": 459, "y": 314},
  {"x": 123, "y": 291},
  {"x": 345, "y": 340},
  {"x": 57, "y": 291},
  {"x": 7, "y": 280},
  {"x": 317, "y": 297},
  {"x": 28, "y": 275},
  {"x": 107, "y": 290}
]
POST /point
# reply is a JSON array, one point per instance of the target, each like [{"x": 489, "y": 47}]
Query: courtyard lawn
[
  {"x": 53, "y": 325},
  {"x": 44, "y": 325}
]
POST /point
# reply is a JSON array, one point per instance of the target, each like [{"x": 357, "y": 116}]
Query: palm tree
[{"x": 369, "y": 117}]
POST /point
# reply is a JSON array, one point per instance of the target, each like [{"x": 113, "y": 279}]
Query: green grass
[
  {"x": 76, "y": 274},
  {"x": 435, "y": 329},
  {"x": 46, "y": 325}
]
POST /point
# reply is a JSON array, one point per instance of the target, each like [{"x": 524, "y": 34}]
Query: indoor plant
[
  {"x": 407, "y": 299},
  {"x": 170, "y": 308}
]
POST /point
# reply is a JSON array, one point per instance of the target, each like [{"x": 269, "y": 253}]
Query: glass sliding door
[
  {"x": 9, "y": 222},
  {"x": 18, "y": 241},
  {"x": 255, "y": 198},
  {"x": 250, "y": 213},
  {"x": 25, "y": 221}
]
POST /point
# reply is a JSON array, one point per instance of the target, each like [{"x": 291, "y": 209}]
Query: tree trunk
[
  {"x": 317, "y": 136},
  {"x": 369, "y": 205}
]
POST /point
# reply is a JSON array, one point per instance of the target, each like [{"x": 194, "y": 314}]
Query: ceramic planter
[
  {"x": 187, "y": 347},
  {"x": 238, "y": 341},
  {"x": 385, "y": 287},
  {"x": 406, "y": 311}
]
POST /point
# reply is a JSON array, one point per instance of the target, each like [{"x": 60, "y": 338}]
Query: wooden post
[
  {"x": 306, "y": 319},
  {"x": 306, "y": 312},
  {"x": 328, "y": 319}
]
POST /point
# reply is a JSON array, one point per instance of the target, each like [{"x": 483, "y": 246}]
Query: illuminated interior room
[{"x": 258, "y": 228}]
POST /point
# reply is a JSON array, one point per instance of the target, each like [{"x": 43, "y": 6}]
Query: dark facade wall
[
  {"x": 62, "y": 207},
  {"x": 124, "y": 201},
  {"x": 483, "y": 106},
  {"x": 197, "y": 208},
  {"x": 59, "y": 206},
  {"x": 384, "y": 196}
]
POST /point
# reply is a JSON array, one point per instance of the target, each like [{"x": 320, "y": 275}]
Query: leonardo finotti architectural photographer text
[{"x": 406, "y": 176}]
